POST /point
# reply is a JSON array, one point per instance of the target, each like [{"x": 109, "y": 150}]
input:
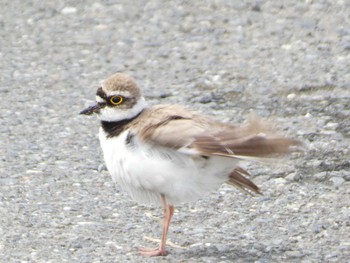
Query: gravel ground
[{"x": 287, "y": 60}]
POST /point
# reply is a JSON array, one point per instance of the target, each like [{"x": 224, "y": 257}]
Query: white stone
[{"x": 68, "y": 10}]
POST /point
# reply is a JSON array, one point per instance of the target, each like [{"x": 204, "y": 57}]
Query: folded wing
[{"x": 199, "y": 135}]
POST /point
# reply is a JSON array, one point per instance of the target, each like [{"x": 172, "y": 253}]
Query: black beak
[{"x": 90, "y": 110}]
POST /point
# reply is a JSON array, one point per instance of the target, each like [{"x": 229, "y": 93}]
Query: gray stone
[
  {"x": 292, "y": 177},
  {"x": 337, "y": 181},
  {"x": 322, "y": 176}
]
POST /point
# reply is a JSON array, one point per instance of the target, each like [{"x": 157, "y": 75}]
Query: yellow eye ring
[{"x": 116, "y": 100}]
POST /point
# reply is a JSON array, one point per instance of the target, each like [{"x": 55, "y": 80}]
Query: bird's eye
[{"x": 116, "y": 100}]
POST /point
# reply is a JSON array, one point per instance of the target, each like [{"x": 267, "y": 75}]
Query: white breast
[{"x": 146, "y": 171}]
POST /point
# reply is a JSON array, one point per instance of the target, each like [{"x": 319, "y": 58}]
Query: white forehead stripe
[
  {"x": 123, "y": 93},
  {"x": 99, "y": 99}
]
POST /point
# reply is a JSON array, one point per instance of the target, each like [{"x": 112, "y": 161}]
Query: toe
[{"x": 152, "y": 252}]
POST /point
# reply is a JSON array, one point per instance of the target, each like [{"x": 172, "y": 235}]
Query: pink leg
[{"x": 160, "y": 251}]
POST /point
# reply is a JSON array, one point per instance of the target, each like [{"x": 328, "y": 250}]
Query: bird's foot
[{"x": 152, "y": 252}]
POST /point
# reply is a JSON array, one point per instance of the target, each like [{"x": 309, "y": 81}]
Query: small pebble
[
  {"x": 280, "y": 181},
  {"x": 292, "y": 177},
  {"x": 322, "y": 176},
  {"x": 101, "y": 167},
  {"x": 337, "y": 181},
  {"x": 206, "y": 99},
  {"x": 68, "y": 10}
]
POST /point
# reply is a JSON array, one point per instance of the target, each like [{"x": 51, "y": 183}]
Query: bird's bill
[{"x": 90, "y": 110}]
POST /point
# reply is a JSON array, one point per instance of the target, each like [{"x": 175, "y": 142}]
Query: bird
[{"x": 167, "y": 154}]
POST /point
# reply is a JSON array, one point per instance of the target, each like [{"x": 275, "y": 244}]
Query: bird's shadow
[{"x": 230, "y": 253}]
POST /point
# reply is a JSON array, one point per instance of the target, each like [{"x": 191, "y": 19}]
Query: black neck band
[{"x": 114, "y": 128}]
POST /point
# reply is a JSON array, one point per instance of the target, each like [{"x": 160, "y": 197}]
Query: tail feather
[
  {"x": 252, "y": 146},
  {"x": 261, "y": 146},
  {"x": 255, "y": 141},
  {"x": 257, "y": 138},
  {"x": 238, "y": 180}
]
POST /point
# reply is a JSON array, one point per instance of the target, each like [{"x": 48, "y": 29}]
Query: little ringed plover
[{"x": 167, "y": 154}]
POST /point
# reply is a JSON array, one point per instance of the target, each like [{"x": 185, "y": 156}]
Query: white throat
[{"x": 112, "y": 114}]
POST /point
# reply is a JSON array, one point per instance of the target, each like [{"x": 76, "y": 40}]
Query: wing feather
[{"x": 176, "y": 127}]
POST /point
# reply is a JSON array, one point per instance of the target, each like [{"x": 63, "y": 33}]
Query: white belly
[{"x": 147, "y": 171}]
